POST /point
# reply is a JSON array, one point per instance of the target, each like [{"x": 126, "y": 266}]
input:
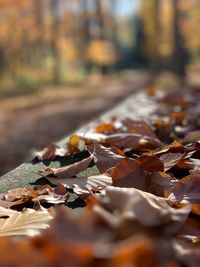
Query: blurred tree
[
  {"x": 84, "y": 33},
  {"x": 99, "y": 31},
  {"x": 38, "y": 8},
  {"x": 110, "y": 24},
  {"x": 139, "y": 53},
  {"x": 48, "y": 37},
  {"x": 180, "y": 53},
  {"x": 55, "y": 30},
  {"x": 190, "y": 21},
  {"x": 151, "y": 24},
  {"x": 2, "y": 60},
  {"x": 101, "y": 51}
]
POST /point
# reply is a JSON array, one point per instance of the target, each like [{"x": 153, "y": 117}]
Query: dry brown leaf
[
  {"x": 83, "y": 185},
  {"x": 192, "y": 137},
  {"x": 69, "y": 170},
  {"x": 138, "y": 127},
  {"x": 151, "y": 163},
  {"x": 163, "y": 128},
  {"x": 41, "y": 193},
  {"x": 28, "y": 222},
  {"x": 191, "y": 227},
  {"x": 170, "y": 160},
  {"x": 178, "y": 117},
  {"x": 160, "y": 184},
  {"x": 193, "y": 164},
  {"x": 53, "y": 197},
  {"x": 105, "y": 157},
  {"x": 50, "y": 152},
  {"x": 129, "y": 173},
  {"x": 133, "y": 141},
  {"x": 145, "y": 208},
  {"x": 174, "y": 147},
  {"x": 188, "y": 189}
]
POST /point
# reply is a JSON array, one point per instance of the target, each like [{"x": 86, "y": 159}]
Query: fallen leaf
[
  {"x": 138, "y": 127},
  {"x": 170, "y": 160},
  {"x": 187, "y": 250},
  {"x": 69, "y": 170},
  {"x": 138, "y": 251},
  {"x": 92, "y": 136},
  {"x": 129, "y": 173},
  {"x": 160, "y": 184},
  {"x": 76, "y": 142},
  {"x": 21, "y": 254},
  {"x": 58, "y": 195},
  {"x": 174, "y": 147},
  {"x": 192, "y": 137},
  {"x": 105, "y": 157},
  {"x": 151, "y": 163},
  {"x": 105, "y": 128},
  {"x": 191, "y": 227},
  {"x": 163, "y": 129},
  {"x": 193, "y": 164},
  {"x": 40, "y": 193},
  {"x": 188, "y": 189},
  {"x": 28, "y": 222},
  {"x": 50, "y": 152},
  {"x": 133, "y": 141},
  {"x": 176, "y": 99},
  {"x": 178, "y": 117},
  {"x": 84, "y": 184},
  {"x": 145, "y": 208}
]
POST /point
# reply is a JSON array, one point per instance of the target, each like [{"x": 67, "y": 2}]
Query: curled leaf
[
  {"x": 160, "y": 184},
  {"x": 84, "y": 184},
  {"x": 170, "y": 160},
  {"x": 105, "y": 157},
  {"x": 145, "y": 208},
  {"x": 174, "y": 147},
  {"x": 69, "y": 170},
  {"x": 188, "y": 189}
]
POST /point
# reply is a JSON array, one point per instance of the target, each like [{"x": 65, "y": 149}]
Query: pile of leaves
[{"x": 142, "y": 206}]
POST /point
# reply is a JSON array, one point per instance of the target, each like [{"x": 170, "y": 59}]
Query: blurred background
[{"x": 62, "y": 62}]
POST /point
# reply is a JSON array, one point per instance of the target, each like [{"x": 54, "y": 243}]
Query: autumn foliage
[{"x": 142, "y": 204}]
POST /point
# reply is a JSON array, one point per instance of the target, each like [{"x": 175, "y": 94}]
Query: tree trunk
[
  {"x": 180, "y": 54},
  {"x": 55, "y": 39},
  {"x": 39, "y": 23},
  {"x": 84, "y": 33},
  {"x": 150, "y": 20}
]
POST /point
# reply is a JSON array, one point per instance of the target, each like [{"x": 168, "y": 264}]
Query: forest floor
[{"x": 33, "y": 121}]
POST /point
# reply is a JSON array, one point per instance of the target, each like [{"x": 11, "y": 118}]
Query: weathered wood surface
[{"x": 136, "y": 106}]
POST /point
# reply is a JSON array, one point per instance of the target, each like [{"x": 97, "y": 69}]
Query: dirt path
[{"x": 31, "y": 122}]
